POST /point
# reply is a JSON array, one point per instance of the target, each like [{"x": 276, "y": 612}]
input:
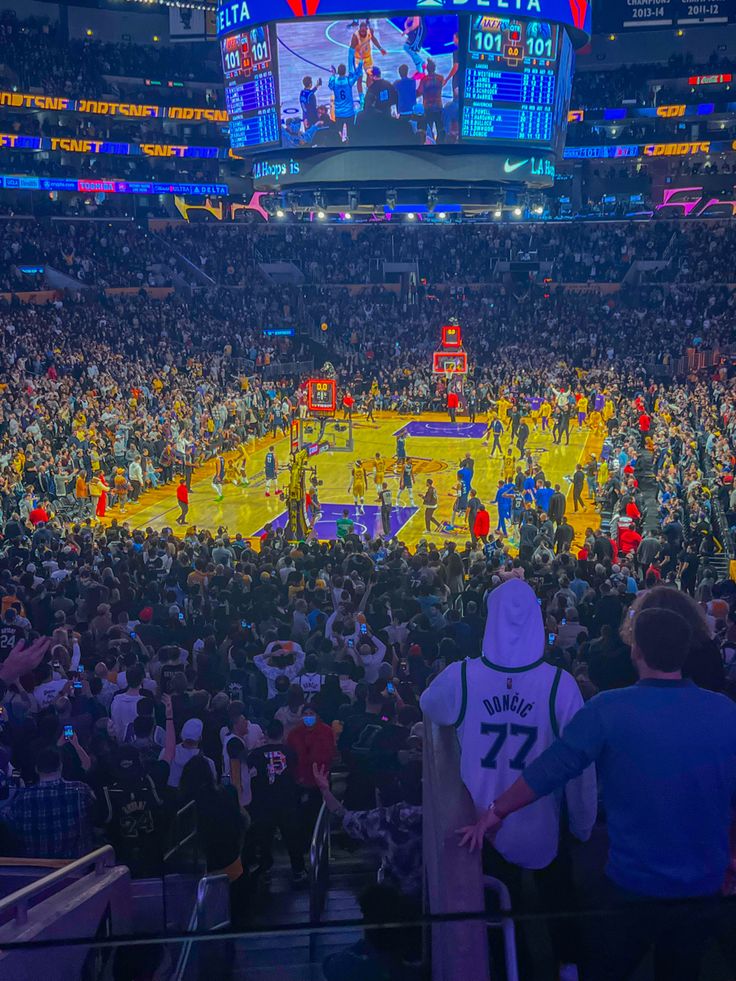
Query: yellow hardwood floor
[{"x": 247, "y": 509}]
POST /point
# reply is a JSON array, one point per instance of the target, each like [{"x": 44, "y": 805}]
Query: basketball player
[
  {"x": 362, "y": 44},
  {"x": 219, "y": 476},
  {"x": 270, "y": 469},
  {"x": 379, "y": 470},
  {"x": 357, "y": 486},
  {"x": 406, "y": 483},
  {"x": 401, "y": 447},
  {"x": 414, "y": 34},
  {"x": 507, "y": 707}
]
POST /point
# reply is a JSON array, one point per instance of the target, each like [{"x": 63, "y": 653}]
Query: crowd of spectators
[
  {"x": 596, "y": 89},
  {"x": 41, "y": 57},
  {"x": 166, "y": 670},
  {"x": 99, "y": 254},
  {"x": 579, "y": 252}
]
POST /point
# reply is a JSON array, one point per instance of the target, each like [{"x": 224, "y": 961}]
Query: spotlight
[
  {"x": 497, "y": 213},
  {"x": 347, "y": 216},
  {"x": 611, "y": 37},
  {"x": 681, "y": 33},
  {"x": 279, "y": 213},
  {"x": 156, "y": 38},
  {"x": 538, "y": 209},
  {"x": 89, "y": 32},
  {"x": 410, "y": 216},
  {"x": 320, "y": 214},
  {"x": 442, "y": 216},
  {"x": 517, "y": 212}
]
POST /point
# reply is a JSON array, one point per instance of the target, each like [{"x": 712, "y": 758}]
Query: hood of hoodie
[{"x": 514, "y": 636}]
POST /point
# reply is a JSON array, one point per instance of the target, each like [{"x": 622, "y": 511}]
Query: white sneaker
[{"x": 569, "y": 972}]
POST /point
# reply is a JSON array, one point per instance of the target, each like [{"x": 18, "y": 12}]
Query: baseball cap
[{"x": 192, "y": 730}]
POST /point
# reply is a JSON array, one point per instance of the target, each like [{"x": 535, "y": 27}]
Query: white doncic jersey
[
  {"x": 505, "y": 717},
  {"x": 507, "y": 707}
]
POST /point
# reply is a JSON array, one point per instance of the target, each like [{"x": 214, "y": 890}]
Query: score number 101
[{"x": 536, "y": 47}]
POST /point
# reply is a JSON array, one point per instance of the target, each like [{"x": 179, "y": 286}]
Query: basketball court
[{"x": 435, "y": 447}]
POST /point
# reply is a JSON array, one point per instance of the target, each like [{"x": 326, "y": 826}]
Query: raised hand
[
  {"x": 321, "y": 776},
  {"x": 23, "y": 659}
]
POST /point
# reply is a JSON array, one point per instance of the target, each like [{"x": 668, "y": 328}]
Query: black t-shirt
[
  {"x": 10, "y": 634},
  {"x": 273, "y": 786},
  {"x": 693, "y": 561}
]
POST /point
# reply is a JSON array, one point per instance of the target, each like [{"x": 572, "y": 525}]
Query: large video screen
[
  {"x": 398, "y": 81},
  {"x": 386, "y": 81}
]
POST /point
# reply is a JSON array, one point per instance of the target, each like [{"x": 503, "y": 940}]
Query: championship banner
[{"x": 98, "y": 107}]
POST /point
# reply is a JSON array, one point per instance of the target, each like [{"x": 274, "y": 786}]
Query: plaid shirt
[
  {"x": 53, "y": 819},
  {"x": 398, "y": 830}
]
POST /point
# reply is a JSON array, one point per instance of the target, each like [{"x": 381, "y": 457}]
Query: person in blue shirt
[
  {"x": 465, "y": 476},
  {"x": 406, "y": 92},
  {"x": 308, "y": 101},
  {"x": 543, "y": 495},
  {"x": 341, "y": 85},
  {"x": 665, "y": 751},
  {"x": 504, "y": 500}
]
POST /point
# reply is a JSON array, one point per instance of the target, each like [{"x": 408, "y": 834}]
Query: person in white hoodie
[
  {"x": 507, "y": 707},
  {"x": 124, "y": 707}
]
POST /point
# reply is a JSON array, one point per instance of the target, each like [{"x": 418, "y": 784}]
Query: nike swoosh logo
[{"x": 509, "y": 168}]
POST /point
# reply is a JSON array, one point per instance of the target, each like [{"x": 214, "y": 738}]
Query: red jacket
[
  {"x": 482, "y": 523},
  {"x": 182, "y": 494},
  {"x": 628, "y": 540},
  {"x": 37, "y": 515},
  {"x": 644, "y": 423},
  {"x": 632, "y": 510},
  {"x": 452, "y": 400},
  {"x": 311, "y": 745}
]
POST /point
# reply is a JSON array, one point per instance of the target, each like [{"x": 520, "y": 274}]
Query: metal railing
[
  {"x": 319, "y": 864},
  {"x": 188, "y": 813},
  {"x": 99, "y": 860},
  {"x": 198, "y": 921},
  {"x": 505, "y": 924}
]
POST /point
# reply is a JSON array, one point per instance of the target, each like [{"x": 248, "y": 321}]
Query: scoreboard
[
  {"x": 322, "y": 395},
  {"x": 249, "y": 66},
  {"x": 510, "y": 63},
  {"x": 511, "y": 81}
]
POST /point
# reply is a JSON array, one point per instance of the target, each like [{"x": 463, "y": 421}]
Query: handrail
[
  {"x": 319, "y": 864},
  {"x": 101, "y": 858},
  {"x": 506, "y": 925},
  {"x": 197, "y": 915},
  {"x": 179, "y": 844},
  {"x": 203, "y": 887}
]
